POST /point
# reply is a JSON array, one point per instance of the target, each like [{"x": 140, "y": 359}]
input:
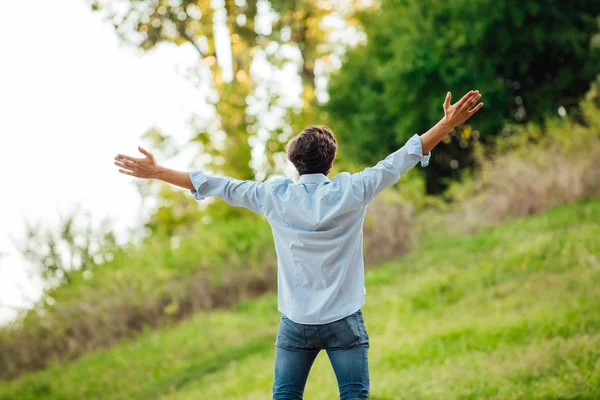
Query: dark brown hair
[{"x": 313, "y": 150}]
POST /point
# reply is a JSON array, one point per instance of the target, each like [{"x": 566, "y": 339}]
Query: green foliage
[
  {"x": 75, "y": 245},
  {"x": 527, "y": 58},
  {"x": 462, "y": 317},
  {"x": 247, "y": 107},
  {"x": 528, "y": 171},
  {"x": 570, "y": 135},
  {"x": 211, "y": 247},
  {"x": 154, "y": 283}
]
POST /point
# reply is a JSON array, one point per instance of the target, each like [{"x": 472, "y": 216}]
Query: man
[{"x": 317, "y": 228}]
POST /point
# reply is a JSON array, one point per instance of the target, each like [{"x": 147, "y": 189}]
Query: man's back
[{"x": 317, "y": 227}]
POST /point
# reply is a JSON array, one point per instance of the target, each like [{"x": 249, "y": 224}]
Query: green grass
[{"x": 511, "y": 313}]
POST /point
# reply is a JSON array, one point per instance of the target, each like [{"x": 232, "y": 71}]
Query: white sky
[{"x": 71, "y": 97}]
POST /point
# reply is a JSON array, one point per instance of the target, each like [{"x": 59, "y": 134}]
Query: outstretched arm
[
  {"x": 247, "y": 194},
  {"x": 454, "y": 115},
  {"x": 368, "y": 183},
  {"x": 148, "y": 168}
]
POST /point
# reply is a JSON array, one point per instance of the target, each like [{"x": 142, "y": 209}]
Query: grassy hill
[{"x": 513, "y": 312}]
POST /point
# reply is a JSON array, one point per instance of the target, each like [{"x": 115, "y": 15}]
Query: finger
[
  {"x": 124, "y": 171},
  {"x": 464, "y": 99},
  {"x": 124, "y": 164},
  {"x": 447, "y": 101},
  {"x": 469, "y": 102},
  {"x": 144, "y": 151},
  {"x": 477, "y": 108},
  {"x": 121, "y": 157},
  {"x": 473, "y": 101}
]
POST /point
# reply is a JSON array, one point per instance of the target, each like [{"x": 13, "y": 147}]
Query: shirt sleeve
[
  {"x": 370, "y": 182},
  {"x": 248, "y": 194}
]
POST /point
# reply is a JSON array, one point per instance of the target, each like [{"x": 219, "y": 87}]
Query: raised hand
[
  {"x": 464, "y": 109},
  {"x": 145, "y": 167}
]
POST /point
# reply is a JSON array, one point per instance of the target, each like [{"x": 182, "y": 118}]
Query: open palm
[
  {"x": 145, "y": 167},
  {"x": 462, "y": 110}
]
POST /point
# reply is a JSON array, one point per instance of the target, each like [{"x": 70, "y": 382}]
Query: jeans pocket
[
  {"x": 345, "y": 332},
  {"x": 290, "y": 334},
  {"x": 362, "y": 329}
]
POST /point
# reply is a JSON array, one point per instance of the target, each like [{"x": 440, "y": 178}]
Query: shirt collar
[{"x": 313, "y": 178}]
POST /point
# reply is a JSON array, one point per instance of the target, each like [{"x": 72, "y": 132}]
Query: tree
[
  {"x": 75, "y": 244},
  {"x": 528, "y": 58},
  {"x": 244, "y": 48},
  {"x": 236, "y": 41}
]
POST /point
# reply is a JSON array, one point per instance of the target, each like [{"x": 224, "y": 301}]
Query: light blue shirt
[{"x": 317, "y": 228}]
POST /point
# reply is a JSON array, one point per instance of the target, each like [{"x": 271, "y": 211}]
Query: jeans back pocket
[
  {"x": 346, "y": 332},
  {"x": 290, "y": 334}
]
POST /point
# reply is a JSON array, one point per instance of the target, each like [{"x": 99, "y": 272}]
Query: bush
[
  {"x": 166, "y": 280},
  {"x": 528, "y": 58},
  {"x": 532, "y": 171},
  {"x": 388, "y": 229}
]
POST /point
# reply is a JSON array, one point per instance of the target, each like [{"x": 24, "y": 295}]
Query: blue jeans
[{"x": 346, "y": 342}]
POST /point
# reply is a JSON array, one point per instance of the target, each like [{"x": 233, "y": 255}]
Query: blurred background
[{"x": 483, "y": 269}]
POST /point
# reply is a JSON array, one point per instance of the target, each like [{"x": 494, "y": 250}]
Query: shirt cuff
[
  {"x": 415, "y": 147},
  {"x": 198, "y": 178}
]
